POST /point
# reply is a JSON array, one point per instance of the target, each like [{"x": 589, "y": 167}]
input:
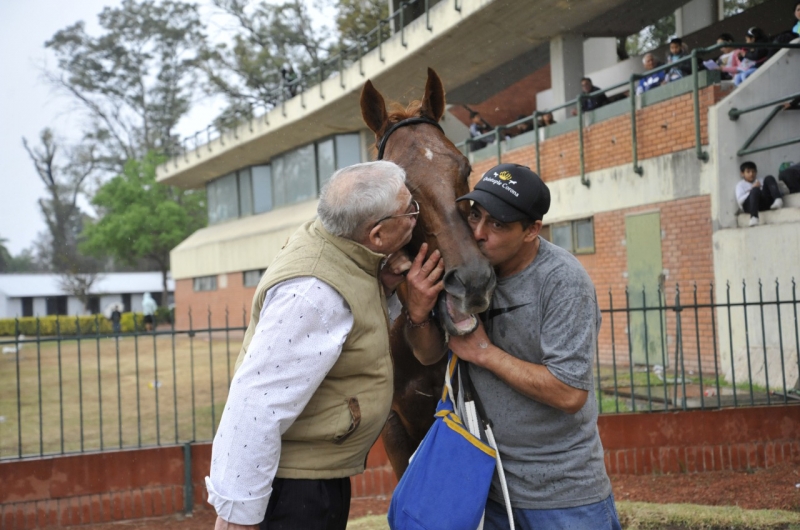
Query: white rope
[
  {"x": 502, "y": 475},
  {"x": 470, "y": 417}
]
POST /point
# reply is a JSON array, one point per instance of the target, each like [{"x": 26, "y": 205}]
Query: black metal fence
[
  {"x": 657, "y": 350},
  {"x": 662, "y": 349}
]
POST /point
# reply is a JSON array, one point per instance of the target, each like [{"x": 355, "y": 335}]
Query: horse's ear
[
  {"x": 433, "y": 101},
  {"x": 373, "y": 108}
]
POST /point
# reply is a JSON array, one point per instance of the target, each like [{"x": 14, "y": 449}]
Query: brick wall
[
  {"x": 687, "y": 257},
  {"x": 92, "y": 488},
  {"x": 664, "y": 128},
  {"x": 231, "y": 295}
]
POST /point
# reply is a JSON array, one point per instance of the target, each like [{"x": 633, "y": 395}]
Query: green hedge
[{"x": 67, "y": 325}]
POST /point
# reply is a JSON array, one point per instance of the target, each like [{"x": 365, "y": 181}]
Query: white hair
[{"x": 359, "y": 195}]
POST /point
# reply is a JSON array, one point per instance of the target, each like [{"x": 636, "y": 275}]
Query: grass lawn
[{"x": 110, "y": 393}]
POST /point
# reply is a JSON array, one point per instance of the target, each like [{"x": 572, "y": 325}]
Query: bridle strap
[{"x": 403, "y": 123}]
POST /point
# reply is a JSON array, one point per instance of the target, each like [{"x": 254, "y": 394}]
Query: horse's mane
[{"x": 397, "y": 113}]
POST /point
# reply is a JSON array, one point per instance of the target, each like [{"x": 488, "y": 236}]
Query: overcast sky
[{"x": 27, "y": 104}]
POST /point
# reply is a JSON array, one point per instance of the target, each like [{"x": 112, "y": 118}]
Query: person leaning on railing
[
  {"x": 653, "y": 79},
  {"x": 751, "y": 58}
]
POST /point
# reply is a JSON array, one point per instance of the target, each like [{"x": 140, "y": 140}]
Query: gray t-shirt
[{"x": 546, "y": 314}]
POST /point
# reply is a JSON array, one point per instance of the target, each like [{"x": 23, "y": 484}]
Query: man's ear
[
  {"x": 533, "y": 231},
  {"x": 374, "y": 238}
]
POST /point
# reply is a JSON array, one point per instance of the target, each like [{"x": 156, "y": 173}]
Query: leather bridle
[{"x": 403, "y": 123}]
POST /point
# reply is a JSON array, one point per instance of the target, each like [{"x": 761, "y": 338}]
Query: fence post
[
  {"x": 702, "y": 155},
  {"x": 634, "y": 147},
  {"x": 188, "y": 487},
  {"x": 584, "y": 180}
]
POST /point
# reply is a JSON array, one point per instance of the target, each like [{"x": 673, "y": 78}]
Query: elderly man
[
  {"x": 650, "y": 80},
  {"x": 313, "y": 383}
]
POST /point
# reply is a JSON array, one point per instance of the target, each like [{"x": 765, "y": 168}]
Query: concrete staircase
[{"x": 790, "y": 213}]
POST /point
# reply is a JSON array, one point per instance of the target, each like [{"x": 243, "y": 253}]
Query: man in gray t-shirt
[{"x": 530, "y": 358}]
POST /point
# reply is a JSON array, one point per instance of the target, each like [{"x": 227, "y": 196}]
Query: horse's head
[{"x": 436, "y": 174}]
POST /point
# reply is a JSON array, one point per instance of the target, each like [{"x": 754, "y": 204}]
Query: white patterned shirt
[{"x": 303, "y": 325}]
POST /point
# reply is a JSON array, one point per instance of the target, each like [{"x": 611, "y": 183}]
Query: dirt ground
[{"x": 774, "y": 488}]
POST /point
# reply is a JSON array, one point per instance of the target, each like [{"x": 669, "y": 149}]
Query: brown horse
[{"x": 436, "y": 175}]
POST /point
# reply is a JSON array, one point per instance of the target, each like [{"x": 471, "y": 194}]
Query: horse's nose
[
  {"x": 472, "y": 284},
  {"x": 453, "y": 284}
]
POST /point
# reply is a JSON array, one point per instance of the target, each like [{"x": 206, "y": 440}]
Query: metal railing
[
  {"x": 656, "y": 351},
  {"x": 65, "y": 394},
  {"x": 496, "y": 135},
  {"x": 297, "y": 87},
  {"x": 701, "y": 350}
]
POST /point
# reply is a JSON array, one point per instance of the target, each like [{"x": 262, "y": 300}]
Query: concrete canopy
[{"x": 473, "y": 50}]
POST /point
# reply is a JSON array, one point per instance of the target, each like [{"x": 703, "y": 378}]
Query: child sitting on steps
[{"x": 754, "y": 195}]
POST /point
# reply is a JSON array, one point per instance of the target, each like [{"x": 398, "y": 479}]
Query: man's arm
[
  {"x": 424, "y": 284},
  {"x": 532, "y": 380},
  {"x": 299, "y": 337}
]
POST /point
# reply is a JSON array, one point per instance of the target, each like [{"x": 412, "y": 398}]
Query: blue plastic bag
[{"x": 446, "y": 485}]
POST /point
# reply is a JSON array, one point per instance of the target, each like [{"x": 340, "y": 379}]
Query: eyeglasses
[{"x": 414, "y": 204}]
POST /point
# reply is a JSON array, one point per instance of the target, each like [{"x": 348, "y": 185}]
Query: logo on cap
[{"x": 505, "y": 176}]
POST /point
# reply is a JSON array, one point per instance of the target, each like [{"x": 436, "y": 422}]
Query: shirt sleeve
[
  {"x": 569, "y": 338},
  {"x": 303, "y": 325}
]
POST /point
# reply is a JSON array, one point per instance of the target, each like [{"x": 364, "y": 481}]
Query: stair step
[{"x": 786, "y": 214}]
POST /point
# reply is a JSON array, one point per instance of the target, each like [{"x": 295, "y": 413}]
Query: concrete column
[
  {"x": 599, "y": 53},
  {"x": 695, "y": 15},
  {"x": 566, "y": 68}
]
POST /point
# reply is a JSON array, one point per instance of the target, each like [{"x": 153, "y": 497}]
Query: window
[
  {"x": 223, "y": 199},
  {"x": 205, "y": 283},
  {"x": 326, "y": 161},
  {"x": 294, "y": 176},
  {"x": 27, "y": 306},
  {"x": 262, "y": 188},
  {"x": 245, "y": 192},
  {"x": 56, "y": 305},
  {"x": 93, "y": 305},
  {"x": 251, "y": 278},
  {"x": 348, "y": 150},
  {"x": 574, "y": 236}
]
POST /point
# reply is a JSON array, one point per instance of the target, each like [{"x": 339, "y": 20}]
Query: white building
[{"x": 37, "y": 295}]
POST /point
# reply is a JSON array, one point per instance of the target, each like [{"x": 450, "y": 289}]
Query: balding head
[{"x": 359, "y": 195}]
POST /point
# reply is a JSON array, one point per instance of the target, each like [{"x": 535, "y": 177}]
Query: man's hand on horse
[
  {"x": 424, "y": 284},
  {"x": 473, "y": 347},
  {"x": 394, "y": 271}
]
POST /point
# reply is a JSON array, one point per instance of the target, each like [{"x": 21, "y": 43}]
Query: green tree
[
  {"x": 142, "y": 219},
  {"x": 135, "y": 81},
  {"x": 63, "y": 217},
  {"x": 356, "y": 18},
  {"x": 5, "y": 256},
  {"x": 651, "y": 37},
  {"x": 268, "y": 37}
]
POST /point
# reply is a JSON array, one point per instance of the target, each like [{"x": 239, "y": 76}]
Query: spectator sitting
[
  {"x": 591, "y": 102},
  {"x": 653, "y": 79},
  {"x": 751, "y": 58},
  {"x": 525, "y": 126},
  {"x": 791, "y": 177},
  {"x": 728, "y": 62},
  {"x": 545, "y": 120},
  {"x": 796, "y": 27},
  {"x": 678, "y": 51},
  {"x": 789, "y": 35},
  {"x": 754, "y": 195},
  {"x": 477, "y": 128}
]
